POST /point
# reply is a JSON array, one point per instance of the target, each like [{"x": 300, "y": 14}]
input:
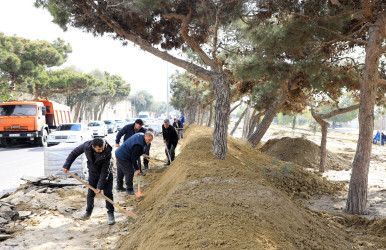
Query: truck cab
[{"x": 30, "y": 120}]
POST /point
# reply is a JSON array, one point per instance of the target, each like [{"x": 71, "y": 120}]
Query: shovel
[
  {"x": 152, "y": 158},
  {"x": 170, "y": 159},
  {"x": 139, "y": 193},
  {"x": 102, "y": 195}
]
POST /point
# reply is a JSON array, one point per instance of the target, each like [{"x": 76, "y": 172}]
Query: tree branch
[
  {"x": 233, "y": 109},
  {"x": 337, "y": 112},
  {"x": 145, "y": 45},
  {"x": 382, "y": 82},
  {"x": 185, "y": 34}
]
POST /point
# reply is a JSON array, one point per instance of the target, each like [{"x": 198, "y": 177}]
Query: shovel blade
[{"x": 138, "y": 193}]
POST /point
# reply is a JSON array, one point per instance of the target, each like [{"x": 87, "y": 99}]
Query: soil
[
  {"x": 251, "y": 200},
  {"x": 303, "y": 152}
]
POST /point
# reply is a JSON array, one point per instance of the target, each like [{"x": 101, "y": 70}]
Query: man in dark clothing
[
  {"x": 171, "y": 139},
  {"x": 177, "y": 124},
  {"x": 98, "y": 154},
  {"x": 127, "y": 157},
  {"x": 129, "y": 130}
]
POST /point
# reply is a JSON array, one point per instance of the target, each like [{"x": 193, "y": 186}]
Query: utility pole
[{"x": 167, "y": 91}]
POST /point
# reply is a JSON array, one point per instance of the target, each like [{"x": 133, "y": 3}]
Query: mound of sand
[
  {"x": 303, "y": 152},
  {"x": 203, "y": 202}
]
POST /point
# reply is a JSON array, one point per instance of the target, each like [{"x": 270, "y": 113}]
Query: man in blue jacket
[
  {"x": 127, "y": 156},
  {"x": 129, "y": 130},
  {"x": 98, "y": 154}
]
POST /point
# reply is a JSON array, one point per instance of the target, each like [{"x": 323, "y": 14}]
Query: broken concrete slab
[
  {"x": 3, "y": 221},
  {"x": 24, "y": 214},
  {"x": 5, "y": 209}
]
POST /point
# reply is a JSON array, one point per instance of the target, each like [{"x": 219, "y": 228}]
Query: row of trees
[
  {"x": 144, "y": 101},
  {"x": 284, "y": 55},
  {"x": 26, "y": 67}
]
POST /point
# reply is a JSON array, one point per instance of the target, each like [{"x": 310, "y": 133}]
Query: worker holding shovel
[
  {"x": 127, "y": 156},
  {"x": 170, "y": 139},
  {"x": 98, "y": 154}
]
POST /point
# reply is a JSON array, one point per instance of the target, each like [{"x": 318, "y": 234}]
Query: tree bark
[
  {"x": 222, "y": 92},
  {"x": 255, "y": 123},
  {"x": 357, "y": 195},
  {"x": 193, "y": 112},
  {"x": 323, "y": 142},
  {"x": 255, "y": 138},
  {"x": 77, "y": 110},
  {"x": 203, "y": 116},
  {"x": 246, "y": 121},
  {"x": 210, "y": 115},
  {"x": 102, "y": 109},
  {"x": 238, "y": 121}
]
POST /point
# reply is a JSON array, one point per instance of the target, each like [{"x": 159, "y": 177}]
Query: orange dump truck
[{"x": 31, "y": 120}]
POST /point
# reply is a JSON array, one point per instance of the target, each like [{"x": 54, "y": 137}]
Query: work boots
[
  {"x": 130, "y": 192},
  {"x": 85, "y": 216},
  {"x": 110, "y": 219}
]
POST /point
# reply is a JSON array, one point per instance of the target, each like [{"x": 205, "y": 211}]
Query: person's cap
[
  {"x": 175, "y": 119},
  {"x": 139, "y": 121},
  {"x": 166, "y": 121}
]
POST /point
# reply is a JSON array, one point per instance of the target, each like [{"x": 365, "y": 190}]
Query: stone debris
[
  {"x": 24, "y": 214},
  {"x": 5, "y": 237},
  {"x": 50, "y": 181}
]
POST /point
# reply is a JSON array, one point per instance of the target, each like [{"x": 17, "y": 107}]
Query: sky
[{"x": 140, "y": 69}]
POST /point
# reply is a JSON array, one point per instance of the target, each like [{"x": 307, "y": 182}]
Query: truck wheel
[
  {"x": 42, "y": 141},
  {"x": 5, "y": 142}
]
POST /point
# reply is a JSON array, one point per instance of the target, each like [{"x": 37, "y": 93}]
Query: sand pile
[
  {"x": 203, "y": 202},
  {"x": 303, "y": 152}
]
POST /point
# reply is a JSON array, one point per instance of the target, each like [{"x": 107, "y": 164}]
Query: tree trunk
[
  {"x": 246, "y": 122},
  {"x": 357, "y": 195},
  {"x": 255, "y": 138},
  {"x": 77, "y": 110},
  {"x": 95, "y": 114},
  {"x": 222, "y": 92},
  {"x": 101, "y": 110},
  {"x": 203, "y": 116},
  {"x": 193, "y": 112},
  {"x": 323, "y": 142},
  {"x": 199, "y": 114},
  {"x": 251, "y": 120},
  {"x": 210, "y": 115},
  {"x": 238, "y": 121},
  {"x": 255, "y": 122}
]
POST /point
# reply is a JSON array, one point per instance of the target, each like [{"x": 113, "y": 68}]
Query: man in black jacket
[
  {"x": 98, "y": 154},
  {"x": 177, "y": 124},
  {"x": 171, "y": 139},
  {"x": 127, "y": 131}
]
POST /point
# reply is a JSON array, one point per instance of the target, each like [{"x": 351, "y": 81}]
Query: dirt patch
[
  {"x": 303, "y": 152},
  {"x": 203, "y": 202}
]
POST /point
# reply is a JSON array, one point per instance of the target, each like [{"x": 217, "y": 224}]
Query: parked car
[
  {"x": 111, "y": 126},
  {"x": 98, "y": 128},
  {"x": 120, "y": 124},
  {"x": 69, "y": 133},
  {"x": 130, "y": 120}
]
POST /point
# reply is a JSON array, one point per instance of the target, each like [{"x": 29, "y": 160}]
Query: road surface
[{"x": 19, "y": 160}]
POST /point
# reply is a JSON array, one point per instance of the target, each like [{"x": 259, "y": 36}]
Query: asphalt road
[{"x": 18, "y": 160}]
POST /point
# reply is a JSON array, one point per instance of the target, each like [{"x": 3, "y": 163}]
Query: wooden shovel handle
[{"x": 102, "y": 195}]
